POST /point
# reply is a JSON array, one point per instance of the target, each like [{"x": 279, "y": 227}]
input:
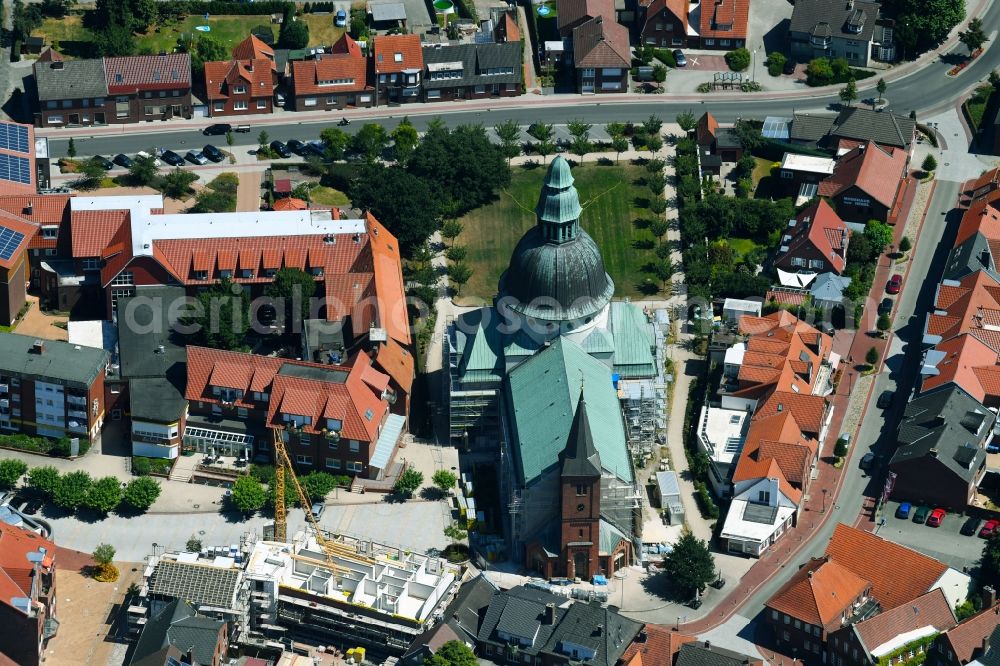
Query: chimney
[
  {"x": 810, "y": 574},
  {"x": 933, "y": 452},
  {"x": 550, "y": 614},
  {"x": 600, "y": 630},
  {"x": 28, "y": 209},
  {"x": 850, "y": 4},
  {"x": 38, "y": 347},
  {"x": 989, "y": 596},
  {"x": 708, "y": 646},
  {"x": 249, "y": 65}
]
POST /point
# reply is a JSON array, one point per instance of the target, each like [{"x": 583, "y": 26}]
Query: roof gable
[
  {"x": 397, "y": 53},
  {"x": 820, "y": 592},
  {"x": 601, "y": 42}
]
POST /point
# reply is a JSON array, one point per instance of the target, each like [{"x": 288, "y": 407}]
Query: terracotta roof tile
[
  {"x": 928, "y": 610},
  {"x": 16, "y": 572},
  {"x": 230, "y": 374},
  {"x": 981, "y": 217},
  {"x": 46, "y": 209},
  {"x": 881, "y": 562},
  {"x": 290, "y": 203},
  {"x": 92, "y": 230},
  {"x": 875, "y": 170},
  {"x": 346, "y": 63},
  {"x": 226, "y": 260},
  {"x": 787, "y": 297},
  {"x": 397, "y": 53},
  {"x": 253, "y": 48},
  {"x": 659, "y": 649},
  {"x": 601, "y": 42},
  {"x": 793, "y": 458},
  {"x": 572, "y": 13},
  {"x": 716, "y": 14},
  {"x": 967, "y": 637},
  {"x": 222, "y": 76},
  {"x": 147, "y": 72},
  {"x": 27, "y": 231},
  {"x": 820, "y": 593},
  {"x": 964, "y": 355},
  {"x": 818, "y": 229},
  {"x": 389, "y": 290},
  {"x": 809, "y": 410},
  {"x": 398, "y": 362}
]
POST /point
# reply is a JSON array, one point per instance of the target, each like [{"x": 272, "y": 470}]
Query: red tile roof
[
  {"x": 346, "y": 63},
  {"x": 719, "y": 14},
  {"x": 396, "y": 360},
  {"x": 707, "y": 127},
  {"x": 46, "y": 210},
  {"x": 17, "y": 225},
  {"x": 881, "y": 562},
  {"x": 507, "y": 30},
  {"x": 678, "y": 8},
  {"x": 572, "y": 13},
  {"x": 820, "y": 593},
  {"x": 770, "y": 443},
  {"x": 819, "y": 228},
  {"x": 253, "y": 48},
  {"x": 982, "y": 217},
  {"x": 809, "y": 410},
  {"x": 290, "y": 203},
  {"x": 783, "y": 354},
  {"x": 601, "y": 42},
  {"x": 389, "y": 289},
  {"x": 988, "y": 181},
  {"x": 966, "y": 638},
  {"x": 16, "y": 571},
  {"x": 221, "y": 77},
  {"x": 965, "y": 356},
  {"x": 397, "y": 53},
  {"x": 875, "y": 170},
  {"x": 147, "y": 72},
  {"x": 659, "y": 648},
  {"x": 928, "y": 610},
  {"x": 92, "y": 230}
]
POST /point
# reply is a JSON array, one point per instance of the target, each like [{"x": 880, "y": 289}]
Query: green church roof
[
  {"x": 633, "y": 336},
  {"x": 542, "y": 397}
]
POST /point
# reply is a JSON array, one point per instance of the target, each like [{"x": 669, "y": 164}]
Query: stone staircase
[{"x": 184, "y": 468}]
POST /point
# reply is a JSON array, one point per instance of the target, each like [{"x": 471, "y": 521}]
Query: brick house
[
  {"x": 816, "y": 240},
  {"x": 397, "y": 64},
  {"x": 602, "y": 56},
  {"x": 722, "y": 24},
  {"x": 239, "y": 87},
  {"x": 15, "y": 237},
  {"x": 574, "y": 13},
  {"x": 823, "y": 29},
  {"x": 664, "y": 23},
  {"x": 970, "y": 640},
  {"x": 866, "y": 181},
  {"x": 333, "y": 80},
  {"x": 152, "y": 87},
  {"x": 28, "y": 597},
  {"x": 73, "y": 93},
  {"x": 49, "y": 214},
  {"x": 472, "y": 71}
]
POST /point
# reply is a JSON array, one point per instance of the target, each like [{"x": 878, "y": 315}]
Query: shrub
[
  {"x": 11, "y": 471},
  {"x": 776, "y": 63},
  {"x": 706, "y": 505},
  {"x": 140, "y": 466},
  {"x": 738, "y": 59},
  {"x": 141, "y": 493},
  {"x": 44, "y": 479},
  {"x": 72, "y": 489},
  {"x": 871, "y": 358},
  {"x": 929, "y": 164},
  {"x": 408, "y": 481},
  {"x": 905, "y": 244},
  {"x": 840, "y": 449}
]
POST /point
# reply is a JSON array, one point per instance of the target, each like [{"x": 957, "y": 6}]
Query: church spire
[
  {"x": 558, "y": 208},
  {"x": 580, "y": 457}
]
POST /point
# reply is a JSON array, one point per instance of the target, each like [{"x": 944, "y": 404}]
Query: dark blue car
[{"x": 904, "y": 510}]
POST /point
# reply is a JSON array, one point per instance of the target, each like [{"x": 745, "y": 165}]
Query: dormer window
[
  {"x": 334, "y": 424},
  {"x": 240, "y": 90},
  {"x": 296, "y": 420},
  {"x": 316, "y": 270},
  {"x": 225, "y": 274},
  {"x": 270, "y": 272},
  {"x": 226, "y": 394},
  {"x": 246, "y": 273},
  {"x": 201, "y": 275}
]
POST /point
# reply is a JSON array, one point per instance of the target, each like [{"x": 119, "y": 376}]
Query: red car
[
  {"x": 989, "y": 528},
  {"x": 894, "y": 285},
  {"x": 937, "y": 515}
]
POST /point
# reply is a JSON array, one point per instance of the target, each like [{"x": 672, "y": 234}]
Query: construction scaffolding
[
  {"x": 473, "y": 400},
  {"x": 644, "y": 401}
]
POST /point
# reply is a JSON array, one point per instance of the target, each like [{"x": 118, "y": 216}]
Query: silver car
[{"x": 196, "y": 157}]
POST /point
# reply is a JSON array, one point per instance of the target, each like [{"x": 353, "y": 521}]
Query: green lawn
[
  {"x": 322, "y": 32},
  {"x": 328, "y": 196},
  {"x": 742, "y": 246},
  {"x": 977, "y": 104},
  {"x": 608, "y": 196}
]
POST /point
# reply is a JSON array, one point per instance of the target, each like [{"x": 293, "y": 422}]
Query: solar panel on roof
[
  {"x": 9, "y": 241},
  {"x": 13, "y": 137},
  {"x": 15, "y": 169}
]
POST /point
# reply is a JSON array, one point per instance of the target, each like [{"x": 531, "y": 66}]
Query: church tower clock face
[{"x": 581, "y": 507}]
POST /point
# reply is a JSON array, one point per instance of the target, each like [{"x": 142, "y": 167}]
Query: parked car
[
  {"x": 213, "y": 153},
  {"x": 122, "y": 160},
  {"x": 297, "y": 147},
  {"x": 156, "y": 160},
  {"x": 920, "y": 515},
  {"x": 340, "y": 19},
  {"x": 894, "y": 284},
  {"x": 679, "y": 58},
  {"x": 217, "y": 129},
  {"x": 32, "y": 506},
  {"x": 992, "y": 448},
  {"x": 196, "y": 157},
  {"x": 172, "y": 158},
  {"x": 242, "y": 129},
  {"x": 970, "y": 526},
  {"x": 316, "y": 147},
  {"x": 885, "y": 307},
  {"x": 317, "y": 509},
  {"x": 989, "y": 529},
  {"x": 867, "y": 460},
  {"x": 885, "y": 399},
  {"x": 904, "y": 510},
  {"x": 279, "y": 100},
  {"x": 105, "y": 163},
  {"x": 936, "y": 517},
  {"x": 281, "y": 149}
]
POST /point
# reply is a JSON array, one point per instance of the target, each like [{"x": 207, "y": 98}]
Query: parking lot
[{"x": 944, "y": 543}]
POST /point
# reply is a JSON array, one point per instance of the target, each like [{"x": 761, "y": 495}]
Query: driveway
[
  {"x": 943, "y": 543},
  {"x": 769, "y": 25}
]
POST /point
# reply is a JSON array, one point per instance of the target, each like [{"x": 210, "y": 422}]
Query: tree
[
  {"x": 687, "y": 121},
  {"x": 840, "y": 449},
  {"x": 929, "y": 164},
  {"x": 664, "y": 269},
  {"x": 221, "y": 317},
  {"x": 336, "y": 141},
  {"x": 871, "y": 358},
  {"x": 659, "y": 227},
  {"x": 738, "y": 59},
  {"x": 293, "y": 35},
  {"x": 884, "y": 323},
  {"x": 143, "y": 13},
  {"x": 745, "y": 166},
  {"x": 143, "y": 170},
  {"x": 177, "y": 183},
  {"x": 964, "y": 610},
  {"x": 11, "y": 471},
  {"x": 577, "y": 128},
  {"x": 973, "y": 36},
  {"x": 456, "y": 253},
  {"x": 509, "y": 134},
  {"x": 459, "y": 274},
  {"x": 248, "y": 494},
  {"x": 859, "y": 250},
  {"x": 55, "y": 8},
  {"x": 370, "y": 141},
  {"x": 71, "y": 148},
  {"x": 819, "y": 71},
  {"x": 114, "y": 41},
  {"x": 652, "y": 125},
  {"x": 103, "y": 495},
  {"x": 849, "y": 93},
  {"x": 994, "y": 80},
  {"x": 541, "y": 131},
  {"x": 619, "y": 144},
  {"x": 294, "y": 287},
  {"x": 193, "y": 544},
  {"x": 444, "y": 480},
  {"x": 141, "y": 493},
  {"x": 104, "y": 554},
  {"x": 654, "y": 142},
  {"x": 659, "y": 74},
  {"x": 656, "y": 182},
  {"x": 317, "y": 485},
  {"x": 408, "y": 481},
  {"x": 89, "y": 175},
  {"x": 71, "y": 491},
  {"x": 580, "y": 146},
  {"x": 689, "y": 565},
  {"x": 748, "y": 134},
  {"x": 230, "y": 138},
  {"x": 775, "y": 63},
  {"x": 405, "y": 140},
  {"x": 207, "y": 49},
  {"x": 404, "y": 203},
  {"x": 262, "y": 147},
  {"x": 456, "y": 531},
  {"x": 452, "y": 653},
  {"x": 905, "y": 244},
  {"x": 44, "y": 479},
  {"x": 881, "y": 87},
  {"x": 879, "y": 234},
  {"x": 926, "y": 23},
  {"x": 451, "y": 229},
  {"x": 989, "y": 562}
]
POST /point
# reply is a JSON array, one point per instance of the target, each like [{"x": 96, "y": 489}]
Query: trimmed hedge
[
  {"x": 706, "y": 505},
  {"x": 222, "y": 7},
  {"x": 51, "y": 447}
]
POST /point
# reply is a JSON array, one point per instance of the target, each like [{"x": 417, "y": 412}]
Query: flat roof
[
  {"x": 60, "y": 361},
  {"x": 387, "y": 11},
  {"x": 739, "y": 525},
  {"x": 794, "y": 162}
]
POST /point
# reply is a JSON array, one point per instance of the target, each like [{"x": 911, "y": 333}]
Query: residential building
[
  {"x": 655, "y": 645},
  {"x": 602, "y": 56},
  {"x": 51, "y": 388},
  {"x": 703, "y": 653},
  {"x": 573, "y": 13},
  {"x": 940, "y": 457},
  {"x": 18, "y": 169},
  {"x": 72, "y": 93},
  {"x": 28, "y": 607},
  {"x": 153, "y": 87},
  {"x": 332, "y": 417},
  {"x": 16, "y": 236},
  {"x": 472, "y": 71},
  {"x": 823, "y": 29},
  {"x": 178, "y": 635},
  {"x": 866, "y": 183},
  {"x": 716, "y": 144},
  {"x": 969, "y": 642},
  {"x": 334, "y": 80},
  {"x": 664, "y": 23},
  {"x": 254, "y": 48},
  {"x": 912, "y": 626},
  {"x": 722, "y": 24},
  {"x": 851, "y": 127},
  {"x": 397, "y": 63},
  {"x": 460, "y": 621},
  {"x": 965, "y": 361},
  {"x": 721, "y": 434},
  {"x": 365, "y": 594},
  {"x": 507, "y": 30},
  {"x": 814, "y": 241},
  {"x": 49, "y": 213},
  {"x": 800, "y": 175},
  {"x": 239, "y": 87}
]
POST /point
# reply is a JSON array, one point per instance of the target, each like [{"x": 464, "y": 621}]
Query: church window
[{"x": 581, "y": 489}]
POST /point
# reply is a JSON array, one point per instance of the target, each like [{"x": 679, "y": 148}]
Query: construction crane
[{"x": 330, "y": 548}]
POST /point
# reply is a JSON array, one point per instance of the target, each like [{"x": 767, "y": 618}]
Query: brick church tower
[{"x": 580, "y": 504}]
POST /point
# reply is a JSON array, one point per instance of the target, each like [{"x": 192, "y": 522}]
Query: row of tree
[{"x": 78, "y": 490}]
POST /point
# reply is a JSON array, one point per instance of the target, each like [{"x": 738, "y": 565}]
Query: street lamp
[
  {"x": 753, "y": 69},
  {"x": 824, "y": 501}
]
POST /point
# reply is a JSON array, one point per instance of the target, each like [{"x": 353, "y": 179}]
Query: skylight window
[{"x": 398, "y": 57}]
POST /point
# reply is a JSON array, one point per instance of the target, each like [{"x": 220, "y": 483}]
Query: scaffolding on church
[
  {"x": 644, "y": 401},
  {"x": 473, "y": 409}
]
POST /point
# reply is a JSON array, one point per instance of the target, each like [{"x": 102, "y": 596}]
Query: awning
[{"x": 386, "y": 444}]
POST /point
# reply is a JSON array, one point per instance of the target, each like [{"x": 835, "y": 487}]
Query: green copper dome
[{"x": 556, "y": 272}]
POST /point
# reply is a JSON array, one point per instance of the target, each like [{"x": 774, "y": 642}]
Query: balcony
[{"x": 77, "y": 414}]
